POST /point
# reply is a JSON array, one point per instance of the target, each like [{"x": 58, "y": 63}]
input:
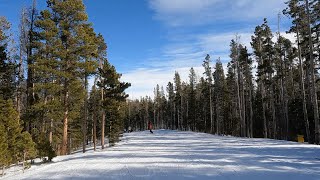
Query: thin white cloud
[
  {"x": 193, "y": 51},
  {"x": 198, "y": 12},
  {"x": 220, "y": 42}
]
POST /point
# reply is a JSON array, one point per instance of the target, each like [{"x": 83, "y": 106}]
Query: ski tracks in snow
[{"x": 185, "y": 155}]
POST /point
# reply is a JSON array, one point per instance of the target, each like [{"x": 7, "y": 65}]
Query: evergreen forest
[{"x": 48, "y": 107}]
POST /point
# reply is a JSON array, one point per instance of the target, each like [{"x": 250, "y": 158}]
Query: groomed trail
[{"x": 185, "y": 155}]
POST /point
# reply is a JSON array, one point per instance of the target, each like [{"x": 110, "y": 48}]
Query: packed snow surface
[{"x": 185, "y": 155}]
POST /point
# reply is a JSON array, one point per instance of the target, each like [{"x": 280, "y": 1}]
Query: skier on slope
[{"x": 150, "y": 127}]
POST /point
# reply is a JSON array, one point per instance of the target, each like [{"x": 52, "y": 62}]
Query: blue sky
[{"x": 148, "y": 40}]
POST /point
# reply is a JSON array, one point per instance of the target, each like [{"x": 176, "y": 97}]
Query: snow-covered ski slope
[{"x": 186, "y": 155}]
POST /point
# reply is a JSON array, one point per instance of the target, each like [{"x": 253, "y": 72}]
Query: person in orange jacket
[{"x": 150, "y": 127}]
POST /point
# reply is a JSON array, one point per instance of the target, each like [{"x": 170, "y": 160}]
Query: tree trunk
[
  {"x": 94, "y": 120},
  {"x": 30, "y": 62},
  {"x": 178, "y": 120},
  {"x": 251, "y": 112},
  {"x": 304, "y": 100},
  {"x": 239, "y": 103},
  {"x": 265, "y": 130},
  {"x": 20, "y": 79},
  {"x": 158, "y": 119},
  {"x": 189, "y": 121},
  {"x": 24, "y": 159},
  {"x": 174, "y": 115},
  {"x": 283, "y": 98},
  {"x": 94, "y": 130},
  {"x": 154, "y": 114},
  {"x": 69, "y": 144},
  {"x": 43, "y": 128},
  {"x": 313, "y": 80},
  {"x": 211, "y": 113},
  {"x": 103, "y": 120},
  {"x": 181, "y": 114},
  {"x": 51, "y": 128},
  {"x": 218, "y": 120},
  {"x": 50, "y": 133},
  {"x": 205, "y": 119},
  {"x": 273, "y": 113},
  {"x": 65, "y": 124},
  {"x": 243, "y": 107},
  {"x": 285, "y": 104},
  {"x": 84, "y": 123}
]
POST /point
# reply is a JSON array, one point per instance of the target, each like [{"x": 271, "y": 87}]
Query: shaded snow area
[{"x": 185, "y": 155}]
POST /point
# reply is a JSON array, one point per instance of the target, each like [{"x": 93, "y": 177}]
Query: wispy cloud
[{"x": 198, "y": 12}]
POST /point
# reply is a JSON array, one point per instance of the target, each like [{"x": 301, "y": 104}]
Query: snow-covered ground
[{"x": 185, "y": 155}]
